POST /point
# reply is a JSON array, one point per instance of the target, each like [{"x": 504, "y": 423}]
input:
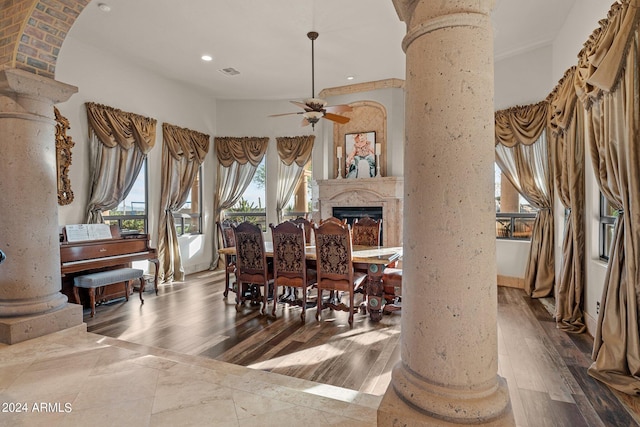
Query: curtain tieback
[{"x": 620, "y": 212}]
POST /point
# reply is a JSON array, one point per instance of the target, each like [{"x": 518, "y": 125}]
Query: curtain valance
[
  {"x": 185, "y": 143},
  {"x": 562, "y": 103},
  {"x": 521, "y": 125},
  {"x": 295, "y": 149},
  {"x": 240, "y": 150},
  {"x": 601, "y": 60},
  {"x": 115, "y": 127}
]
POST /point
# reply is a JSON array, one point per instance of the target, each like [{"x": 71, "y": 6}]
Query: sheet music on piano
[{"x": 86, "y": 232}]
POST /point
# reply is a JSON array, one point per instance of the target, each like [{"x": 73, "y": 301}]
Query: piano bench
[{"x": 103, "y": 278}]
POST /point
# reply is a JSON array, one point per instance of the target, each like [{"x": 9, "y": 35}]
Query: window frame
[
  {"x": 604, "y": 222},
  {"x": 145, "y": 218},
  {"x": 180, "y": 217}
]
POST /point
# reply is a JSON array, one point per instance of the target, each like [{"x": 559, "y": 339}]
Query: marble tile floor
[{"x": 76, "y": 378}]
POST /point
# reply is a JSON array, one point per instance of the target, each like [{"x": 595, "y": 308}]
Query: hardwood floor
[{"x": 545, "y": 368}]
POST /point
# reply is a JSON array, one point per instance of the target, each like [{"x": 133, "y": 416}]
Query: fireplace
[{"x": 357, "y": 196}]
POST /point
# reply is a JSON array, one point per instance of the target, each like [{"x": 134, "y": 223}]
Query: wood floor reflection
[{"x": 545, "y": 368}]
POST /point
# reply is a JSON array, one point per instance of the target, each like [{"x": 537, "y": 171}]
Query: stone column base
[
  {"x": 17, "y": 329},
  {"x": 395, "y": 412}
]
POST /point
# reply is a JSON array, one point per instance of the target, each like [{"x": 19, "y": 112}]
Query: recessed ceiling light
[
  {"x": 206, "y": 58},
  {"x": 351, "y": 77},
  {"x": 104, "y": 7}
]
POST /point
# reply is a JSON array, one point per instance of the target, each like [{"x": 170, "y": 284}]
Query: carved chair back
[
  {"x": 308, "y": 227},
  {"x": 251, "y": 263},
  {"x": 366, "y": 231},
  {"x": 334, "y": 266},
  {"x": 290, "y": 263}
]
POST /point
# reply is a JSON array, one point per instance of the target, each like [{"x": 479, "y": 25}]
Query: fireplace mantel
[{"x": 365, "y": 192}]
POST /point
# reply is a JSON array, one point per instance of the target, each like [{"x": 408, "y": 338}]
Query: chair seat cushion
[
  {"x": 108, "y": 277},
  {"x": 392, "y": 276}
]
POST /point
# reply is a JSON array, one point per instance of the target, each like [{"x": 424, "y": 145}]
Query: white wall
[
  {"x": 106, "y": 79},
  {"x": 523, "y": 79}
]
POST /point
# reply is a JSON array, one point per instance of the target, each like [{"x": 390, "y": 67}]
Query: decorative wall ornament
[{"x": 63, "y": 158}]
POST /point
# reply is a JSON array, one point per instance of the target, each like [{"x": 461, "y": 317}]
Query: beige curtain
[
  {"x": 522, "y": 153},
  {"x": 294, "y": 154},
  {"x": 609, "y": 85},
  {"x": 119, "y": 144},
  {"x": 183, "y": 152},
  {"x": 567, "y": 139},
  {"x": 239, "y": 158}
]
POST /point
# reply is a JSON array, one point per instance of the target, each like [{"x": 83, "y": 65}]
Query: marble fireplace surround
[{"x": 385, "y": 192}]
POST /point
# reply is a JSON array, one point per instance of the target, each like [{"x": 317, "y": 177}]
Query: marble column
[
  {"x": 31, "y": 303},
  {"x": 449, "y": 356}
]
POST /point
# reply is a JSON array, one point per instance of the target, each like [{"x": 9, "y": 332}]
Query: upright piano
[{"x": 90, "y": 256}]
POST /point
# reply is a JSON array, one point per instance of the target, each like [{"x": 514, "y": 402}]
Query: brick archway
[{"x": 33, "y": 32}]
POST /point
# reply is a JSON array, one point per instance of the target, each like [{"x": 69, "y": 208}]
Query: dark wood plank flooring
[{"x": 546, "y": 369}]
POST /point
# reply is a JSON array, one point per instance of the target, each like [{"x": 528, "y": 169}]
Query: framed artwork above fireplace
[{"x": 360, "y": 161}]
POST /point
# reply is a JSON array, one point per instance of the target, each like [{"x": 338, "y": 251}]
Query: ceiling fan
[{"x": 316, "y": 108}]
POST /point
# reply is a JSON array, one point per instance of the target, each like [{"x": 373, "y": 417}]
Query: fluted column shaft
[
  {"x": 448, "y": 371},
  {"x": 31, "y": 303}
]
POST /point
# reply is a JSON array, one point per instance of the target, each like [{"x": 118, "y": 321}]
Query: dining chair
[
  {"x": 290, "y": 265},
  {"x": 334, "y": 263},
  {"x": 366, "y": 231},
  {"x": 333, "y": 219},
  {"x": 308, "y": 227},
  {"x": 225, "y": 229},
  {"x": 392, "y": 289},
  {"x": 252, "y": 269}
]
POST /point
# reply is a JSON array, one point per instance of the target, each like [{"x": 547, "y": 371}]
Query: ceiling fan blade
[
  {"x": 338, "y": 109},
  {"x": 336, "y": 118},
  {"x": 305, "y": 122},
  {"x": 284, "y": 114},
  {"x": 301, "y": 105}
]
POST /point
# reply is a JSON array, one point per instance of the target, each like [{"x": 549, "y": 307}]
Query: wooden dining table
[{"x": 372, "y": 258}]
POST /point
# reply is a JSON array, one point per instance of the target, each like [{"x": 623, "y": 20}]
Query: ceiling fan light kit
[{"x": 316, "y": 108}]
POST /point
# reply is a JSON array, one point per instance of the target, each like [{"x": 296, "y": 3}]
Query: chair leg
[
  {"x": 303, "y": 315},
  {"x": 226, "y": 282},
  {"x": 319, "y": 305},
  {"x": 274, "y": 299},
  {"x": 142, "y": 283},
  {"x": 351, "y": 309}
]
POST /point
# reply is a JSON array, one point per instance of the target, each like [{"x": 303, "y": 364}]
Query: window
[
  {"x": 251, "y": 206},
  {"x": 188, "y": 219},
  {"x": 131, "y": 214},
  {"x": 608, "y": 216},
  {"x": 514, "y": 215},
  {"x": 300, "y": 203}
]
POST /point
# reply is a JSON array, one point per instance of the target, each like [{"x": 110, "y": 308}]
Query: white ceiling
[{"x": 265, "y": 40}]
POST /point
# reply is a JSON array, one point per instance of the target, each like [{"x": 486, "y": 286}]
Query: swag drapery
[
  {"x": 239, "y": 158},
  {"x": 599, "y": 101},
  {"x": 567, "y": 135},
  {"x": 294, "y": 153},
  {"x": 183, "y": 152},
  {"x": 119, "y": 144},
  {"x": 522, "y": 153},
  {"x": 607, "y": 82}
]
